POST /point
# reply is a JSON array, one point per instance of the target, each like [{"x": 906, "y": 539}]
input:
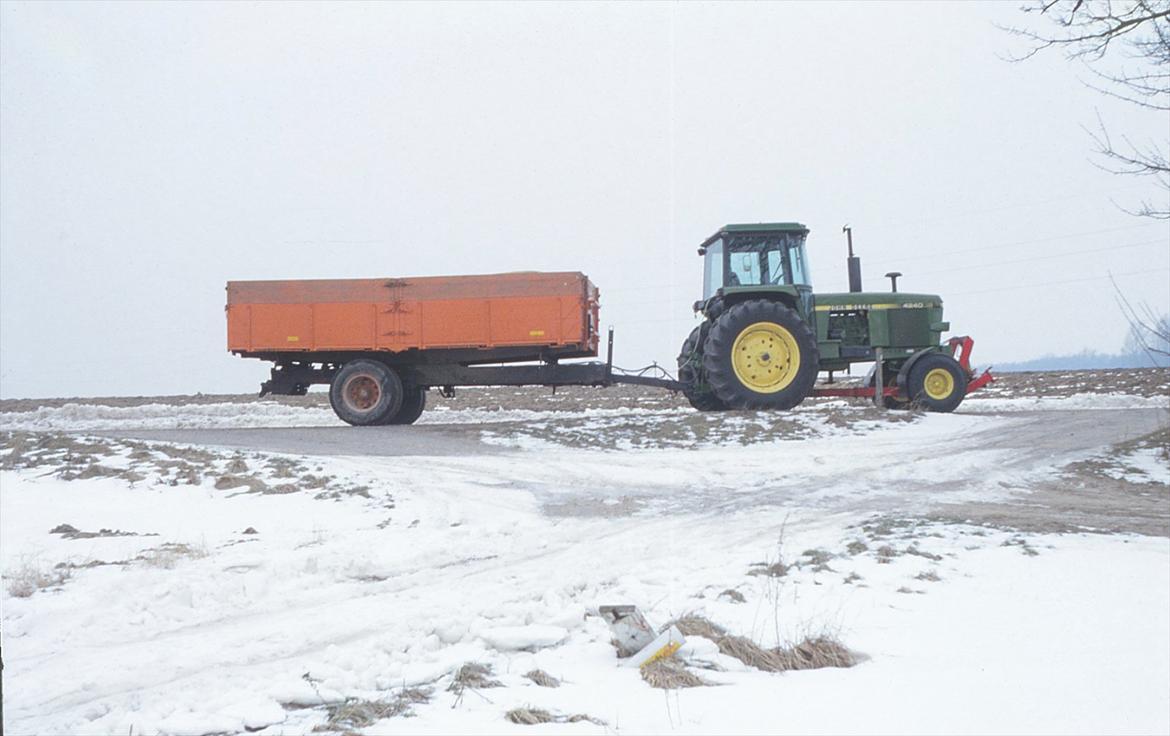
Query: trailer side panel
[{"x": 513, "y": 310}]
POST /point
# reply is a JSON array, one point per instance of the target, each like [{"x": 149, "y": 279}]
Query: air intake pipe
[{"x": 854, "y": 262}]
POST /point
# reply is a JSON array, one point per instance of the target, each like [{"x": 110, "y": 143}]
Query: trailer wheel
[
  {"x": 414, "y": 400},
  {"x": 690, "y": 364},
  {"x": 937, "y": 383},
  {"x": 364, "y": 392},
  {"x": 761, "y": 355}
]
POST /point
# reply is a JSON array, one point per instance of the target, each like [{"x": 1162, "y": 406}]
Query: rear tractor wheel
[
  {"x": 365, "y": 392},
  {"x": 761, "y": 355},
  {"x": 937, "y": 383},
  {"x": 690, "y": 374}
]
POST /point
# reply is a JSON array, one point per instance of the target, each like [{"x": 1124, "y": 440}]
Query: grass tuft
[
  {"x": 359, "y": 713},
  {"x": 542, "y": 678},
  {"x": 536, "y": 716},
  {"x": 473, "y": 676},
  {"x": 668, "y": 673},
  {"x": 810, "y": 653},
  {"x": 733, "y": 595},
  {"x": 31, "y": 577},
  {"x": 529, "y": 716}
]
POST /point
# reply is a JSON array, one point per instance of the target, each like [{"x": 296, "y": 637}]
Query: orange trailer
[
  {"x": 537, "y": 313},
  {"x": 381, "y": 343}
]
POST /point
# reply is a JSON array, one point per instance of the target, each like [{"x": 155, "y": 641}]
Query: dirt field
[{"x": 1146, "y": 382}]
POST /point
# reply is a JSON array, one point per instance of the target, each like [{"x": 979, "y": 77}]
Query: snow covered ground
[
  {"x": 83, "y": 416},
  {"x": 201, "y": 590}
]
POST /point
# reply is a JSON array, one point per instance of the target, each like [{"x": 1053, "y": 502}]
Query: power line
[
  {"x": 983, "y": 248},
  {"x": 1111, "y": 248},
  {"x": 1014, "y": 206},
  {"x": 1057, "y": 283}
]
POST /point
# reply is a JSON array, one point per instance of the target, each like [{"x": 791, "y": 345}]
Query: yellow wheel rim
[
  {"x": 765, "y": 357},
  {"x": 939, "y": 384}
]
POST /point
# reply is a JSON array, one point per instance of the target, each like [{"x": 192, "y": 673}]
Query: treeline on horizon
[{"x": 1087, "y": 360}]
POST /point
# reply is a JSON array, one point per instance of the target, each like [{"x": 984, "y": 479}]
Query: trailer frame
[{"x": 292, "y": 375}]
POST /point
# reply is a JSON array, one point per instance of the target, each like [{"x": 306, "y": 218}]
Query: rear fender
[{"x": 904, "y": 373}]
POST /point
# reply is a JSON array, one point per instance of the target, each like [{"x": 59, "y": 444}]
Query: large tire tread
[
  {"x": 717, "y": 356},
  {"x": 690, "y": 375},
  {"x": 389, "y": 398}
]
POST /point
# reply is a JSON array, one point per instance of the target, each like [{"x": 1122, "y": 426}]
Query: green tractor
[{"x": 766, "y": 336}]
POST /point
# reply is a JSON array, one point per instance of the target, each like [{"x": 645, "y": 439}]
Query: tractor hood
[{"x": 875, "y": 300}]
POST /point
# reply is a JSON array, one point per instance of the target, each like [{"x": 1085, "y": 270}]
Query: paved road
[
  {"x": 1034, "y": 435},
  {"x": 947, "y": 479}
]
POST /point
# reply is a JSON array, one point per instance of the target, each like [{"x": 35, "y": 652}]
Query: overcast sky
[{"x": 149, "y": 152}]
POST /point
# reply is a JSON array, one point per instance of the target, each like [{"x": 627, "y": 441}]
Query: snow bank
[
  {"x": 90, "y": 417},
  {"x": 975, "y": 404},
  {"x": 86, "y": 417}
]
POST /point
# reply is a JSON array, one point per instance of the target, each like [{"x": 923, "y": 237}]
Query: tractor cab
[{"x": 740, "y": 260}]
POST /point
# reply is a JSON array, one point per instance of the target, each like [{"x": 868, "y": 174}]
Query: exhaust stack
[{"x": 854, "y": 263}]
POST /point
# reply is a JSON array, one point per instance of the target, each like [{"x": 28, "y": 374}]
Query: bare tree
[
  {"x": 1125, "y": 46},
  {"x": 1148, "y": 332}
]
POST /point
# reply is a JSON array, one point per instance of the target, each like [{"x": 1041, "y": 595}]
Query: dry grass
[
  {"x": 810, "y": 653},
  {"x": 542, "y": 678},
  {"x": 668, "y": 673},
  {"x": 815, "y": 653},
  {"x": 773, "y": 570},
  {"x": 1022, "y": 543},
  {"x": 472, "y": 676},
  {"x": 537, "y": 716},
  {"x": 358, "y": 713},
  {"x": 30, "y": 577},
  {"x": 692, "y": 625},
  {"x": 817, "y": 556},
  {"x": 733, "y": 595},
  {"x": 167, "y": 556}
]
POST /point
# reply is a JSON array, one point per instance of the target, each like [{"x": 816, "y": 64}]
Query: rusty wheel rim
[{"x": 361, "y": 392}]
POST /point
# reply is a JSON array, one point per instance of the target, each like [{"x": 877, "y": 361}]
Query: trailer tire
[
  {"x": 937, "y": 383},
  {"x": 414, "y": 400},
  {"x": 690, "y": 374},
  {"x": 365, "y": 392},
  {"x": 760, "y": 354}
]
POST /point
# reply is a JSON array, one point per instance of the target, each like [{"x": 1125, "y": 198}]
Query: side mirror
[{"x": 746, "y": 263}]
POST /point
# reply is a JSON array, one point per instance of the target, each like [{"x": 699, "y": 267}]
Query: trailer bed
[{"x": 512, "y": 316}]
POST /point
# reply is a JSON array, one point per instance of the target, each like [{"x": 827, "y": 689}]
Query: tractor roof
[{"x": 757, "y": 227}]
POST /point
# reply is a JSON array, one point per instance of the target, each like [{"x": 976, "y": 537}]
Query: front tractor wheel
[
  {"x": 761, "y": 355},
  {"x": 690, "y": 374},
  {"x": 365, "y": 392},
  {"x": 937, "y": 383}
]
